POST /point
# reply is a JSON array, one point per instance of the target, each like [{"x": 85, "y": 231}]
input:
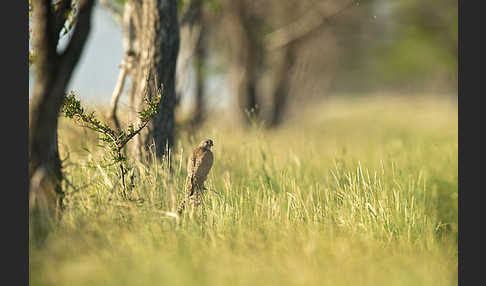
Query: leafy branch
[
  {"x": 115, "y": 139},
  {"x": 64, "y": 15}
]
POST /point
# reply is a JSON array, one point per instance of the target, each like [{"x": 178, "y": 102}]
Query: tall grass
[{"x": 358, "y": 192}]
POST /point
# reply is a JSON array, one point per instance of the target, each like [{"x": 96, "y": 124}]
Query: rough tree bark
[
  {"x": 190, "y": 34},
  {"x": 54, "y": 70},
  {"x": 157, "y": 31}
]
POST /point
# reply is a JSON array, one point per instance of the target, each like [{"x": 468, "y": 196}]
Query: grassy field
[{"x": 360, "y": 191}]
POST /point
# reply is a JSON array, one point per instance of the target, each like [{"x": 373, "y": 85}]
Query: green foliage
[
  {"x": 31, "y": 57},
  {"x": 31, "y": 52},
  {"x": 214, "y": 6},
  {"x": 425, "y": 43},
  {"x": 117, "y": 138},
  {"x": 415, "y": 56},
  {"x": 400, "y": 44},
  {"x": 30, "y": 9},
  {"x": 70, "y": 20},
  {"x": 114, "y": 140}
]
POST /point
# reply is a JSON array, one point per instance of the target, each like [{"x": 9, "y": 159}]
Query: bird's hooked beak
[{"x": 207, "y": 144}]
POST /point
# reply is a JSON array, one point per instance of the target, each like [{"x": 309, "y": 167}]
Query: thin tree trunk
[
  {"x": 200, "y": 63},
  {"x": 247, "y": 53},
  {"x": 157, "y": 33},
  {"x": 282, "y": 86},
  {"x": 200, "y": 57},
  {"x": 116, "y": 96},
  {"x": 54, "y": 71},
  {"x": 129, "y": 48}
]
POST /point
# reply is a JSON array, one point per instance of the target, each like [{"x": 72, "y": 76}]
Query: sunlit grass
[{"x": 358, "y": 192}]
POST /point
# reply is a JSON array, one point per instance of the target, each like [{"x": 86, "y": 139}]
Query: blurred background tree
[
  {"x": 279, "y": 56},
  {"x": 276, "y": 57},
  {"x": 401, "y": 46},
  {"x": 273, "y": 58}
]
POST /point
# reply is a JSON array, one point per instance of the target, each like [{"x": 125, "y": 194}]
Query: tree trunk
[
  {"x": 281, "y": 90},
  {"x": 247, "y": 55},
  {"x": 54, "y": 71},
  {"x": 157, "y": 32},
  {"x": 200, "y": 63},
  {"x": 200, "y": 57},
  {"x": 129, "y": 47}
]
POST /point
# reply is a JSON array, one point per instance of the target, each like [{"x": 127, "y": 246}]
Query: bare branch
[
  {"x": 127, "y": 62},
  {"x": 306, "y": 24},
  {"x": 114, "y": 139},
  {"x": 116, "y": 95}
]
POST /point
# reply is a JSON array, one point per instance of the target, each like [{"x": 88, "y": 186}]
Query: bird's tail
[{"x": 188, "y": 193}]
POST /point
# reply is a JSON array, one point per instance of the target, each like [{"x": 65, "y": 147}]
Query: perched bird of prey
[{"x": 198, "y": 167}]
